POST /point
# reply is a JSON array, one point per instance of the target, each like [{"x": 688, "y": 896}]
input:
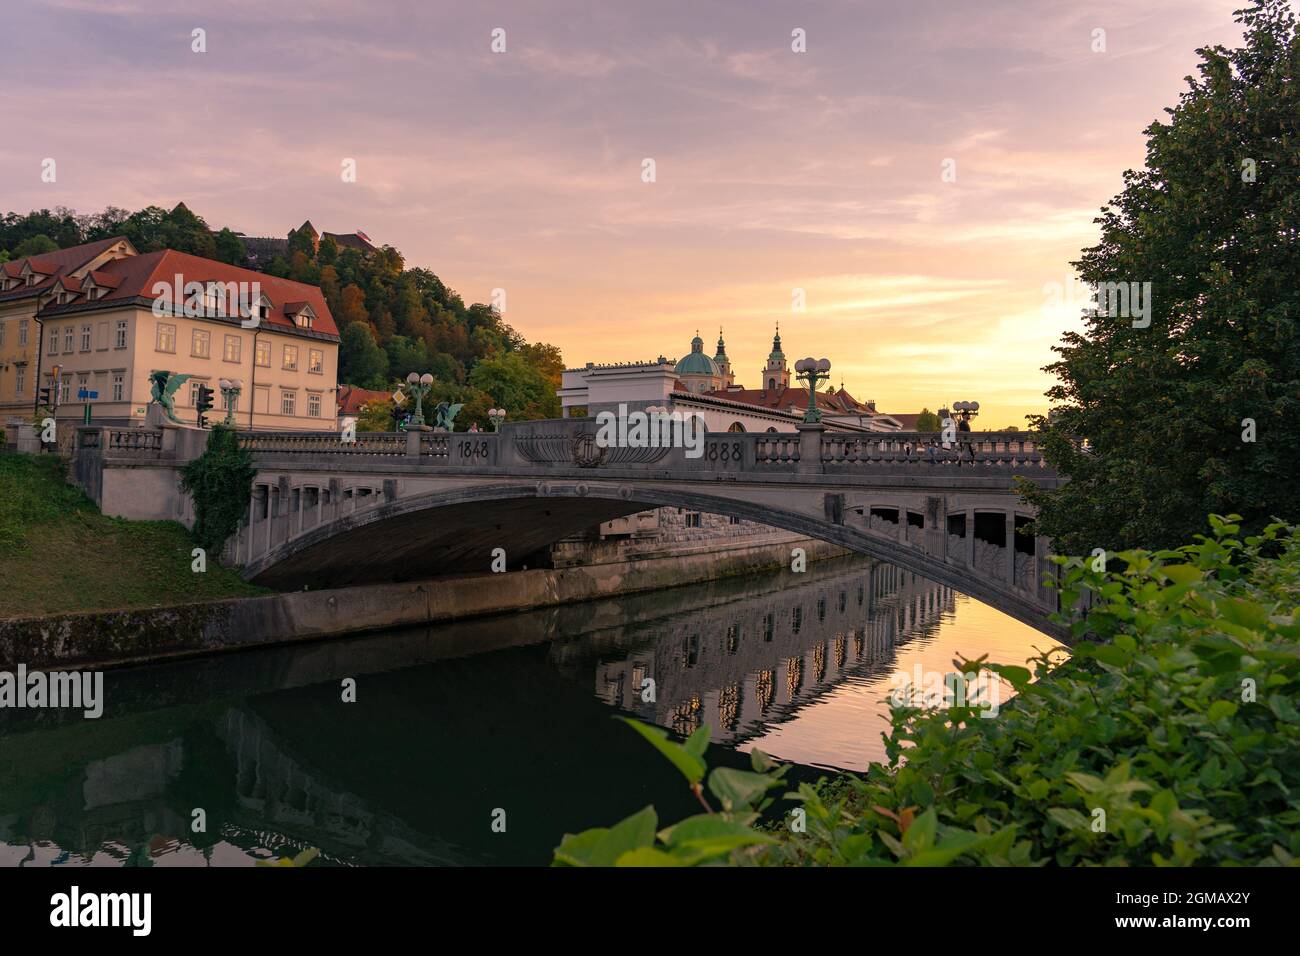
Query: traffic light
[
  {"x": 203, "y": 402},
  {"x": 45, "y": 396}
]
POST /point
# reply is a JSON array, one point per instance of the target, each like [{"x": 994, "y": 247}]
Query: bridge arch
[{"x": 455, "y": 529}]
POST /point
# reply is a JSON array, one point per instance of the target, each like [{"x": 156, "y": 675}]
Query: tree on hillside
[
  {"x": 516, "y": 386},
  {"x": 1198, "y": 411},
  {"x": 229, "y": 248},
  {"x": 361, "y": 361},
  {"x": 352, "y": 307},
  {"x": 35, "y": 246},
  {"x": 928, "y": 421}
]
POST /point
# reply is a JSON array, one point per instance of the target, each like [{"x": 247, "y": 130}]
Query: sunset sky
[{"x": 522, "y": 170}]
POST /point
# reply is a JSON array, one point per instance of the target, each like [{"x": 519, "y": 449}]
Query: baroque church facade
[{"x": 705, "y": 386}]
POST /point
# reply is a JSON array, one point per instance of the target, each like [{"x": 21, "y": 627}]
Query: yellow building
[{"x": 106, "y": 317}]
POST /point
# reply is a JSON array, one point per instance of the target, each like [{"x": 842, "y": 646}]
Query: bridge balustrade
[
  {"x": 1014, "y": 450},
  {"x": 318, "y": 443}
]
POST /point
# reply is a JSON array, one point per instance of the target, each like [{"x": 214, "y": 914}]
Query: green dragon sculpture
[
  {"x": 163, "y": 391},
  {"x": 444, "y": 414}
]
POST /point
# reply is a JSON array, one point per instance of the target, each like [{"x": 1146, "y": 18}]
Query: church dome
[{"x": 697, "y": 363}]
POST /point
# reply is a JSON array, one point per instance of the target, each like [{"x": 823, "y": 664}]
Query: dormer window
[{"x": 301, "y": 314}]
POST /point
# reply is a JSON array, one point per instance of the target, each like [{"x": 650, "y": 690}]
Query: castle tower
[{"x": 776, "y": 376}]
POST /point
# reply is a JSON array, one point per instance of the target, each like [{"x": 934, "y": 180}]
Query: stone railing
[
  {"x": 391, "y": 444},
  {"x": 134, "y": 441},
  {"x": 1005, "y": 449},
  {"x": 572, "y": 443},
  {"x": 776, "y": 449}
]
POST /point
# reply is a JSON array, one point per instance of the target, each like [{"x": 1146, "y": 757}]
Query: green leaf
[
  {"x": 920, "y": 835},
  {"x": 603, "y": 847},
  {"x": 738, "y": 789},
  {"x": 712, "y": 836},
  {"x": 698, "y": 742},
  {"x": 953, "y": 845},
  {"x": 1182, "y": 573},
  {"x": 1220, "y": 709},
  {"x": 690, "y": 764}
]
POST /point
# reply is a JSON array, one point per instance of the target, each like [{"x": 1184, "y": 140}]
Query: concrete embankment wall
[{"x": 111, "y": 638}]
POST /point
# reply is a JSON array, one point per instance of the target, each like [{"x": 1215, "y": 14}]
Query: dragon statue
[
  {"x": 444, "y": 414},
  {"x": 163, "y": 391}
]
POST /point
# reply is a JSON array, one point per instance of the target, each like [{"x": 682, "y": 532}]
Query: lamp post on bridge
[
  {"x": 230, "y": 389},
  {"x": 813, "y": 372},
  {"x": 967, "y": 411},
  {"x": 419, "y": 386},
  {"x": 496, "y": 416}
]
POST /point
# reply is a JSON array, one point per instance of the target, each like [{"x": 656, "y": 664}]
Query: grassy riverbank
[{"x": 59, "y": 554}]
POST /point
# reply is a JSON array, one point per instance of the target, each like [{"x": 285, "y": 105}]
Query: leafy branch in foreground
[{"x": 1168, "y": 736}]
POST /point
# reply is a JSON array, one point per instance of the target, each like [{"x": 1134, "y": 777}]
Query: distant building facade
[{"x": 705, "y": 386}]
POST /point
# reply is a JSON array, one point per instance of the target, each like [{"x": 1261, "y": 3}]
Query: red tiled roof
[
  {"x": 785, "y": 399},
  {"x": 908, "y": 421},
  {"x": 350, "y": 240},
  {"x": 105, "y": 279},
  {"x": 351, "y": 399},
  {"x": 137, "y": 275},
  {"x": 61, "y": 260}
]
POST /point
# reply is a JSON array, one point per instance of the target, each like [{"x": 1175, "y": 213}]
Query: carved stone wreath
[{"x": 585, "y": 452}]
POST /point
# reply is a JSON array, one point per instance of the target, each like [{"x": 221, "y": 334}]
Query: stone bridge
[{"x": 404, "y": 506}]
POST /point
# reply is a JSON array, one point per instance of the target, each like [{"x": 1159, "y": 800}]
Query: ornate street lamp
[
  {"x": 813, "y": 372},
  {"x": 496, "y": 416},
  {"x": 418, "y": 385},
  {"x": 230, "y": 389},
  {"x": 967, "y": 411}
]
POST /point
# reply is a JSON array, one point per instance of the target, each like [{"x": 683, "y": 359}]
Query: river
[{"x": 460, "y": 730}]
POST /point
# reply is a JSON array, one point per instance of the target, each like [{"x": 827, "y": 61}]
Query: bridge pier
[{"x": 1010, "y": 556}]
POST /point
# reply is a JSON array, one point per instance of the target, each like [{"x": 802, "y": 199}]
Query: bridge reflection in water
[{"x": 453, "y": 722}]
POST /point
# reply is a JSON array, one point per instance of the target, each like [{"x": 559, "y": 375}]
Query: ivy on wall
[{"x": 220, "y": 482}]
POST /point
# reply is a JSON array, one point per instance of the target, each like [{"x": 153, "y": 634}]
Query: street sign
[{"x": 84, "y": 393}]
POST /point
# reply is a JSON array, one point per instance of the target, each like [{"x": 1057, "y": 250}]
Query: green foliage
[
  {"x": 1170, "y": 737},
  {"x": 220, "y": 481},
  {"x": 520, "y": 388},
  {"x": 229, "y": 248},
  {"x": 361, "y": 361},
  {"x": 1211, "y": 224},
  {"x": 35, "y": 246},
  {"x": 714, "y": 836},
  {"x": 377, "y": 416},
  {"x": 928, "y": 421}
]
